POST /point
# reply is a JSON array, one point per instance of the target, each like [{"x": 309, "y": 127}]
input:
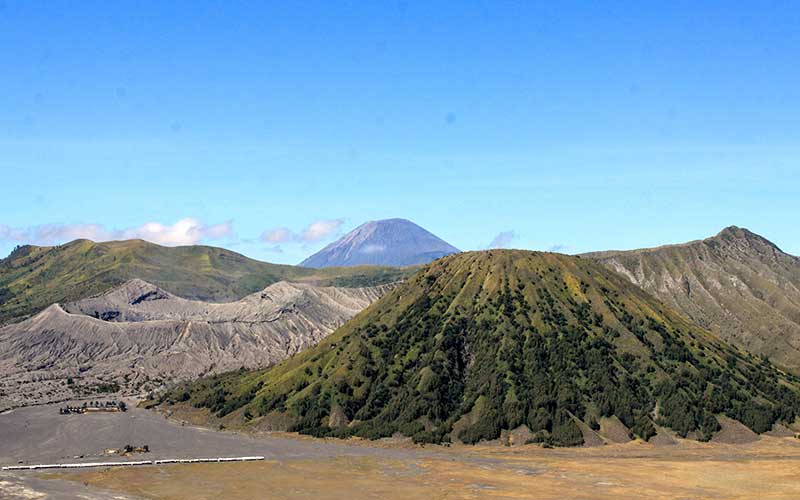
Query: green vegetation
[
  {"x": 484, "y": 341},
  {"x": 366, "y": 276},
  {"x": 111, "y": 387},
  {"x": 737, "y": 284},
  {"x": 32, "y": 278}
]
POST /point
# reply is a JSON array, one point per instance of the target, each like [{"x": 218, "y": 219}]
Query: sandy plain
[{"x": 298, "y": 467}]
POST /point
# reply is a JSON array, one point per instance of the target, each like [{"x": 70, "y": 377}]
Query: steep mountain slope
[
  {"x": 137, "y": 335},
  {"x": 391, "y": 242},
  {"x": 32, "y": 278},
  {"x": 737, "y": 284},
  {"x": 484, "y": 341}
]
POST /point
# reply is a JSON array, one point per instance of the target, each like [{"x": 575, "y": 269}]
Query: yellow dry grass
[{"x": 767, "y": 469}]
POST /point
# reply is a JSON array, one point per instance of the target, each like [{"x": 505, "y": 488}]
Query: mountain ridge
[
  {"x": 726, "y": 234},
  {"x": 480, "y": 343},
  {"x": 33, "y": 277},
  {"x": 737, "y": 283}
]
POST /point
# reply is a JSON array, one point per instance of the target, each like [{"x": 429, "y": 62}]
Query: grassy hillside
[
  {"x": 737, "y": 284},
  {"x": 32, "y": 277},
  {"x": 484, "y": 341}
]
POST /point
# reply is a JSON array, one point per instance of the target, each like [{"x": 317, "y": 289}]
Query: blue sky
[{"x": 272, "y": 127}]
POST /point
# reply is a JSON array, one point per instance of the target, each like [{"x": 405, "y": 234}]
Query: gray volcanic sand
[
  {"x": 314, "y": 469},
  {"x": 27, "y": 487},
  {"x": 39, "y": 434}
]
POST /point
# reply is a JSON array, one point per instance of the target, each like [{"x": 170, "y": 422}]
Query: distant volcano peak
[{"x": 388, "y": 242}]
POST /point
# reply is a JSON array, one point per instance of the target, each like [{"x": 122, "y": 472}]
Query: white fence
[{"x": 141, "y": 462}]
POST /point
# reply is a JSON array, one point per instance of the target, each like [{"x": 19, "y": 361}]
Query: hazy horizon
[{"x": 502, "y": 241}]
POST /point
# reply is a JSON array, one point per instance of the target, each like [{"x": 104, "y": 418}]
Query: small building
[{"x": 94, "y": 407}]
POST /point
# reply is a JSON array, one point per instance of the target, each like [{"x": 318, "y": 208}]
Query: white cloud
[
  {"x": 279, "y": 235},
  {"x": 320, "y": 229},
  {"x": 316, "y": 231},
  {"x": 502, "y": 240},
  {"x": 188, "y": 231},
  {"x": 49, "y": 234},
  {"x": 218, "y": 231}
]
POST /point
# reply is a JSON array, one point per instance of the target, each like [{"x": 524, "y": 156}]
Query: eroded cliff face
[
  {"x": 138, "y": 336},
  {"x": 738, "y": 284}
]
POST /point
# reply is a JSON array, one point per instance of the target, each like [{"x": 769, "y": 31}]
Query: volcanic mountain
[
  {"x": 136, "y": 336},
  {"x": 32, "y": 277},
  {"x": 390, "y": 242},
  {"x": 552, "y": 347},
  {"x": 737, "y": 284}
]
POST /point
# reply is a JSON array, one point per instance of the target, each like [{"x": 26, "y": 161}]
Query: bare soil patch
[{"x": 766, "y": 469}]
